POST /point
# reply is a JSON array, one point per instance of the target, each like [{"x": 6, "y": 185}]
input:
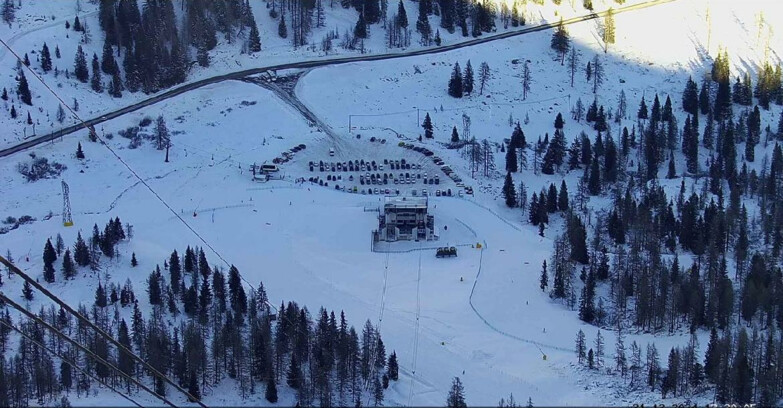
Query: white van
[{"x": 331, "y": 151}]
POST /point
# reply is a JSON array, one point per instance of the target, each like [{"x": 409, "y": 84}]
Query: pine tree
[
  {"x": 590, "y": 359},
  {"x": 609, "y": 29},
  {"x": 271, "y": 390},
  {"x": 80, "y": 66},
  {"x": 455, "y": 83},
  {"x": 509, "y": 193},
  {"x": 456, "y": 396},
  {"x": 282, "y": 31},
  {"x": 100, "y": 296},
  {"x": 454, "y": 135},
  {"x": 254, "y": 41},
  {"x": 49, "y": 256},
  {"x": 511, "y": 160},
  {"x": 402, "y": 16},
  {"x": 427, "y": 125},
  {"x": 134, "y": 262},
  {"x": 293, "y": 376},
  {"x": 23, "y": 89},
  {"x": 562, "y": 200},
  {"x": 580, "y": 346},
  {"x": 69, "y": 270},
  {"x": 360, "y": 30},
  {"x": 467, "y": 79},
  {"x": 594, "y": 180},
  {"x": 107, "y": 59},
  {"x": 46, "y": 59},
  {"x": 116, "y": 87},
  {"x": 642, "y": 113},
  {"x": 393, "y": 367},
  {"x": 8, "y": 12},
  {"x": 704, "y": 98},
  {"x": 27, "y": 291},
  {"x": 560, "y": 41},
  {"x": 423, "y": 24},
  {"x": 543, "y": 281},
  {"x": 79, "y": 151}
]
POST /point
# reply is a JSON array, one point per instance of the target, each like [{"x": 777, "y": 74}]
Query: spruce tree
[
  {"x": 454, "y": 135},
  {"x": 27, "y": 291},
  {"x": 455, "y": 83},
  {"x": 402, "y": 16},
  {"x": 594, "y": 180},
  {"x": 282, "y": 31},
  {"x": 80, "y": 70},
  {"x": 107, "y": 59},
  {"x": 271, "y": 390},
  {"x": 562, "y": 199},
  {"x": 79, "y": 151},
  {"x": 49, "y": 256},
  {"x": 254, "y": 41},
  {"x": 561, "y": 42},
  {"x": 456, "y": 396},
  {"x": 427, "y": 125},
  {"x": 393, "y": 367},
  {"x": 46, "y": 59},
  {"x": 509, "y": 192},
  {"x": 642, "y": 113},
  {"x": 23, "y": 89},
  {"x": 704, "y": 98},
  {"x": 511, "y": 160},
  {"x": 360, "y": 30},
  {"x": 467, "y": 79}
]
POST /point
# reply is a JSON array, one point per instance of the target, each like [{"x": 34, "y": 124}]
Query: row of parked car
[
  {"x": 361, "y": 165},
  {"x": 435, "y": 159},
  {"x": 402, "y": 178},
  {"x": 438, "y": 193},
  {"x": 422, "y": 150},
  {"x": 288, "y": 154}
]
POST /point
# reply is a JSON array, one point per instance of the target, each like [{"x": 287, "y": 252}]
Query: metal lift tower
[{"x": 67, "y": 220}]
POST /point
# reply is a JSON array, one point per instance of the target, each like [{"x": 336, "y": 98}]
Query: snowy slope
[{"x": 37, "y": 23}]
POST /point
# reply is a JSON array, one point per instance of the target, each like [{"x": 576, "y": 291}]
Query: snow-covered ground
[
  {"x": 39, "y": 22},
  {"x": 265, "y": 228}
]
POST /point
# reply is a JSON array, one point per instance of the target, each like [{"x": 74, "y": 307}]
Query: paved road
[{"x": 309, "y": 64}]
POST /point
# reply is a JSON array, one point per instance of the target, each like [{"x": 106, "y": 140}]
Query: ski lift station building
[{"x": 405, "y": 219}]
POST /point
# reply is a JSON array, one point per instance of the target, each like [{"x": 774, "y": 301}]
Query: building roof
[{"x": 405, "y": 202}]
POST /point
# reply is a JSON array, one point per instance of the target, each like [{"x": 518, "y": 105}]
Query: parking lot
[{"x": 374, "y": 167}]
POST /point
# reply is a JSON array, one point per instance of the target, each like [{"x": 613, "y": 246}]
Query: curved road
[{"x": 309, "y": 64}]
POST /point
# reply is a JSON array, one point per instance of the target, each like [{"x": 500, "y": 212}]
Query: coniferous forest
[{"x": 202, "y": 329}]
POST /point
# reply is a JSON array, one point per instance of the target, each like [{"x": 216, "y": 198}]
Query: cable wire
[
  {"x": 66, "y": 360},
  {"x": 92, "y": 325},
  {"x": 97, "y": 358}
]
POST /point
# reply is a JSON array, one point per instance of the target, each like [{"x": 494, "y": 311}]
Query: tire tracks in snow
[{"x": 478, "y": 314}]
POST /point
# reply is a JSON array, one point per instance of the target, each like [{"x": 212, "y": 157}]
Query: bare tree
[
  {"x": 573, "y": 63},
  {"x": 622, "y": 106},
  {"x": 609, "y": 29},
  {"x": 526, "y": 80},
  {"x": 483, "y": 76},
  {"x": 598, "y": 73}
]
